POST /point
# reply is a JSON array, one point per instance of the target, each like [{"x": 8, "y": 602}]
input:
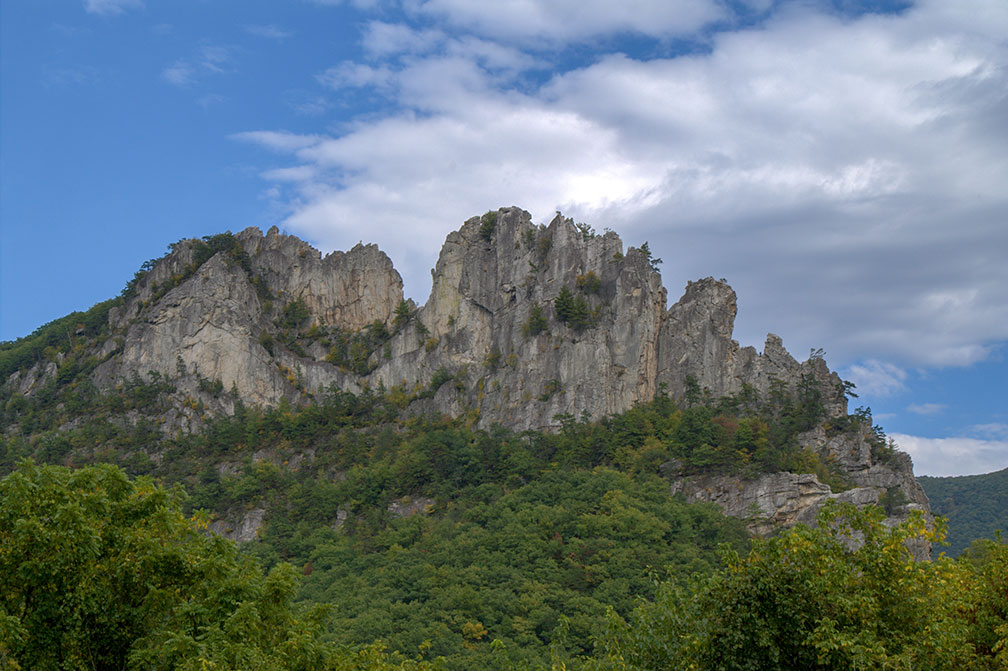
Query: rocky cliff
[
  {"x": 523, "y": 323},
  {"x": 491, "y": 325},
  {"x": 773, "y": 501}
]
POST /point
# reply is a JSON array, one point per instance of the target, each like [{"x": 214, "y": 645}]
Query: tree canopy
[
  {"x": 101, "y": 572},
  {"x": 806, "y": 600}
]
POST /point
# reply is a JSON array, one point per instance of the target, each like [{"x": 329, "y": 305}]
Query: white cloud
[
  {"x": 404, "y": 44},
  {"x": 953, "y": 456},
  {"x": 991, "y": 430},
  {"x": 356, "y": 75},
  {"x": 574, "y": 20},
  {"x": 278, "y": 140},
  {"x": 210, "y": 100},
  {"x": 268, "y": 31},
  {"x": 926, "y": 408},
  {"x": 110, "y": 7},
  {"x": 361, "y": 4},
  {"x": 393, "y": 39},
  {"x": 209, "y": 59},
  {"x": 845, "y": 175},
  {"x": 876, "y": 378},
  {"x": 298, "y": 173},
  {"x": 179, "y": 73}
]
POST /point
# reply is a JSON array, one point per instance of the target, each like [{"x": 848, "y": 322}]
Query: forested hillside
[
  {"x": 976, "y": 506},
  {"x": 103, "y": 572},
  {"x": 435, "y": 537},
  {"x": 407, "y": 525},
  {"x": 429, "y": 533},
  {"x": 381, "y": 539}
]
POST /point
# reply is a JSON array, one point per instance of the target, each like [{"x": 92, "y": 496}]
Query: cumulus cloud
[
  {"x": 110, "y": 7},
  {"x": 385, "y": 39},
  {"x": 953, "y": 456},
  {"x": 844, "y": 174},
  {"x": 574, "y": 20},
  {"x": 877, "y": 379}
]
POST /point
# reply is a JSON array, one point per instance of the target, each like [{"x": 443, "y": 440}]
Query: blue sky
[{"x": 842, "y": 164}]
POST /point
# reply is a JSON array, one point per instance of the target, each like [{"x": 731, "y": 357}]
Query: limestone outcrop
[
  {"x": 218, "y": 323},
  {"x": 347, "y": 289},
  {"x": 491, "y": 319},
  {"x": 524, "y": 322},
  {"x": 495, "y": 325},
  {"x": 774, "y": 501},
  {"x": 695, "y": 341}
]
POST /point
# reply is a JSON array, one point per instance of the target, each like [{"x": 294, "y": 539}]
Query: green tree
[
  {"x": 488, "y": 222},
  {"x": 563, "y": 304},
  {"x": 402, "y": 315},
  {"x": 652, "y": 261},
  {"x": 805, "y": 600},
  {"x": 100, "y": 572},
  {"x": 572, "y": 310},
  {"x": 295, "y": 314},
  {"x": 536, "y": 323}
]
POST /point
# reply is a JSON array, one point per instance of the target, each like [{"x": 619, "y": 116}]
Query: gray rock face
[
  {"x": 695, "y": 341},
  {"x": 245, "y": 530},
  {"x": 494, "y": 334},
  {"x": 206, "y": 326},
  {"x": 485, "y": 292},
  {"x": 854, "y": 456},
  {"x": 494, "y": 280},
  {"x": 346, "y": 289},
  {"x": 211, "y": 325},
  {"x": 410, "y": 506},
  {"x": 780, "y": 500},
  {"x": 767, "y": 503}
]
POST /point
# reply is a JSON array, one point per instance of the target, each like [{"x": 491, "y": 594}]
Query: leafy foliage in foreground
[
  {"x": 805, "y": 601},
  {"x": 100, "y": 572}
]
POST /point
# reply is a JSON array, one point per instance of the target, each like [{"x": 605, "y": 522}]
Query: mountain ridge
[{"x": 524, "y": 325}]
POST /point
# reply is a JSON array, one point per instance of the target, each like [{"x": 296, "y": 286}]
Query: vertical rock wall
[
  {"x": 492, "y": 334},
  {"x": 492, "y": 276}
]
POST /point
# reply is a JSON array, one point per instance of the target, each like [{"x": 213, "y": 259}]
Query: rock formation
[
  {"x": 780, "y": 500},
  {"x": 490, "y": 325},
  {"x": 523, "y": 323}
]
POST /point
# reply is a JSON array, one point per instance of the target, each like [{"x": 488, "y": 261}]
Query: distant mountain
[{"x": 976, "y": 506}]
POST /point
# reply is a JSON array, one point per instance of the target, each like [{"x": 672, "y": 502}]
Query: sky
[{"x": 842, "y": 164}]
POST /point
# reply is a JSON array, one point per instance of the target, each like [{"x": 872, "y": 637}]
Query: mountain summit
[
  {"x": 527, "y": 321},
  {"x": 525, "y": 325}
]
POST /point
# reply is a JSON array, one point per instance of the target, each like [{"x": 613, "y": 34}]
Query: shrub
[
  {"x": 266, "y": 340},
  {"x": 550, "y": 389},
  {"x": 589, "y": 283},
  {"x": 441, "y": 375},
  {"x": 492, "y": 359}
]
